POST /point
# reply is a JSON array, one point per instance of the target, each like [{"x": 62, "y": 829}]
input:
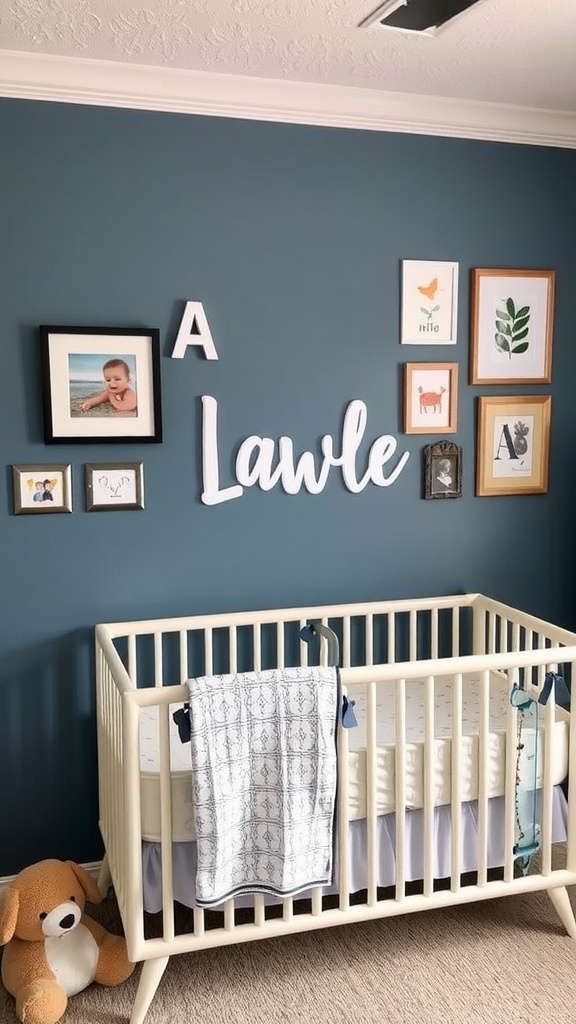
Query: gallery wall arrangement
[{"x": 104, "y": 385}]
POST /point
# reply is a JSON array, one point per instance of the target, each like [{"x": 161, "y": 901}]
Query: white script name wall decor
[
  {"x": 263, "y": 461},
  {"x": 256, "y": 455}
]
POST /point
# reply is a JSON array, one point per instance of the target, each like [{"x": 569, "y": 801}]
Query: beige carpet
[{"x": 504, "y": 961}]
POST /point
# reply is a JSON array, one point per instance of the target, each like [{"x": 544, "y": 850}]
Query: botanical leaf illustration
[{"x": 511, "y": 327}]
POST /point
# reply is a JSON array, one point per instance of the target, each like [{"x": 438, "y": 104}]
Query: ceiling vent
[{"x": 424, "y": 16}]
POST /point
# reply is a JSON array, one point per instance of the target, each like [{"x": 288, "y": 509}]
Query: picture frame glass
[
  {"x": 429, "y": 302},
  {"x": 42, "y": 489},
  {"x": 430, "y": 398},
  {"x": 512, "y": 314},
  {"x": 114, "y": 485},
  {"x": 101, "y": 385},
  {"x": 443, "y": 470},
  {"x": 513, "y": 445}
]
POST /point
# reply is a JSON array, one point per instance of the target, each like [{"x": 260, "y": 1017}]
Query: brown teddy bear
[{"x": 53, "y": 949}]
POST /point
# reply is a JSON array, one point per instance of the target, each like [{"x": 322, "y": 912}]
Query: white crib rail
[{"x": 503, "y": 641}]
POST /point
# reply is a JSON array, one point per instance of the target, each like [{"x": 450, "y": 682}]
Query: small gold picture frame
[
  {"x": 114, "y": 485},
  {"x": 42, "y": 489},
  {"x": 513, "y": 445}
]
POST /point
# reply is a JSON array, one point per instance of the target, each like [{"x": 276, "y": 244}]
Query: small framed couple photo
[
  {"x": 42, "y": 489},
  {"x": 101, "y": 384}
]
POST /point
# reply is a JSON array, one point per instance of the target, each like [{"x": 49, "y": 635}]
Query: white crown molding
[{"x": 140, "y": 87}]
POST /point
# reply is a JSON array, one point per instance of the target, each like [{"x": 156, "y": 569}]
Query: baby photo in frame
[{"x": 101, "y": 384}]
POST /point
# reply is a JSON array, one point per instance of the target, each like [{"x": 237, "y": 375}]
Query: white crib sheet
[{"x": 182, "y": 811}]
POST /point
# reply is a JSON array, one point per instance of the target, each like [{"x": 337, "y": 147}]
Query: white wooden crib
[{"x": 393, "y": 651}]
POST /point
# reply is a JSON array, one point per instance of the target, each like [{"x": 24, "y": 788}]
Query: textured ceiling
[{"x": 520, "y": 52}]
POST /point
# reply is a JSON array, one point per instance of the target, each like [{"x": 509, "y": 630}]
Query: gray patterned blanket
[{"x": 264, "y": 771}]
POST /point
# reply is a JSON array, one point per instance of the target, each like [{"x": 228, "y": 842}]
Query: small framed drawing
[
  {"x": 430, "y": 398},
  {"x": 443, "y": 470},
  {"x": 41, "y": 489},
  {"x": 511, "y": 330},
  {"x": 114, "y": 485},
  {"x": 429, "y": 303},
  {"x": 101, "y": 384},
  {"x": 513, "y": 445}
]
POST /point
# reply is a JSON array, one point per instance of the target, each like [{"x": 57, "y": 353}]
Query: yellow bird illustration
[{"x": 429, "y": 290}]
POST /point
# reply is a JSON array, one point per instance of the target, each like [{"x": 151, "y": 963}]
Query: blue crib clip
[
  {"x": 348, "y": 715},
  {"x": 182, "y": 719}
]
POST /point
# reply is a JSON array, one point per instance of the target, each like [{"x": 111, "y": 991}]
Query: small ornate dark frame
[{"x": 444, "y": 455}]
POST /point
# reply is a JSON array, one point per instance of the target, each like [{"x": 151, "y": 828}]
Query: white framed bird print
[{"x": 429, "y": 302}]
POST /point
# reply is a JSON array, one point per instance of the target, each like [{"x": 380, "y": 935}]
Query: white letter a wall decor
[{"x": 194, "y": 317}]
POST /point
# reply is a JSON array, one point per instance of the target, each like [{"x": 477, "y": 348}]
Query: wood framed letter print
[
  {"x": 101, "y": 384},
  {"x": 512, "y": 326},
  {"x": 114, "y": 485},
  {"x": 429, "y": 302},
  {"x": 443, "y": 470},
  {"x": 430, "y": 398},
  {"x": 513, "y": 445},
  {"x": 41, "y": 489}
]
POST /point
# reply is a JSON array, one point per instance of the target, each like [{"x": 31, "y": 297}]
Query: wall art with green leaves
[{"x": 512, "y": 326}]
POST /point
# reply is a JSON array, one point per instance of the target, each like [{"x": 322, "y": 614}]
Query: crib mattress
[{"x": 181, "y": 786}]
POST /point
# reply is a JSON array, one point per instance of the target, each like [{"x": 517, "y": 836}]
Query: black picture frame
[
  {"x": 443, "y": 470},
  {"x": 80, "y": 406}
]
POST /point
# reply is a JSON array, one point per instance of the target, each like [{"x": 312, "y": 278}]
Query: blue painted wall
[{"x": 292, "y": 238}]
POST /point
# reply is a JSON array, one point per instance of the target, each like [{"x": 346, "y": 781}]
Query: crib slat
[
  {"x": 413, "y": 619},
  {"x": 546, "y": 746},
  {"x": 455, "y": 632},
  {"x": 229, "y": 923},
  {"x": 166, "y": 824},
  {"x": 199, "y": 926},
  {"x": 391, "y": 622},
  {"x": 400, "y": 789},
  {"x": 456, "y": 785},
  {"x": 158, "y": 666},
  {"x": 343, "y": 819},
  {"x": 510, "y": 788},
  {"x": 233, "y": 649},
  {"x": 434, "y": 633},
  {"x": 280, "y": 655},
  {"x": 208, "y": 652},
  {"x": 183, "y": 640},
  {"x": 483, "y": 777},
  {"x": 371, "y": 793},
  {"x": 346, "y": 655},
  {"x": 257, "y": 641},
  {"x": 429, "y": 785}
]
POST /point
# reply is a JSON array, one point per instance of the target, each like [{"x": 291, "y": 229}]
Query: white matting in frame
[
  {"x": 88, "y": 373},
  {"x": 429, "y": 302},
  {"x": 114, "y": 485}
]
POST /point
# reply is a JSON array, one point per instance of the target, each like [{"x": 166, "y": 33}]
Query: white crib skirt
[{"x": 184, "y": 854}]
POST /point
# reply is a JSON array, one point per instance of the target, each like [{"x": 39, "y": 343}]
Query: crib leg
[
  {"x": 152, "y": 971},
  {"x": 563, "y": 907},
  {"x": 104, "y": 878}
]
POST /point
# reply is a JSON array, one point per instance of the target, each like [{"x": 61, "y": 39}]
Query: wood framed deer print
[
  {"x": 430, "y": 398},
  {"x": 513, "y": 445}
]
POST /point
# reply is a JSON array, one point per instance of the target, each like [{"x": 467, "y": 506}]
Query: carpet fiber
[{"x": 499, "y": 961}]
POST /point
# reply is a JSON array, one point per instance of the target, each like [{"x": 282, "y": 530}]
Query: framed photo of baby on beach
[{"x": 101, "y": 384}]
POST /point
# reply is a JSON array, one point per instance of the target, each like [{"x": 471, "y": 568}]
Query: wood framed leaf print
[{"x": 512, "y": 326}]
